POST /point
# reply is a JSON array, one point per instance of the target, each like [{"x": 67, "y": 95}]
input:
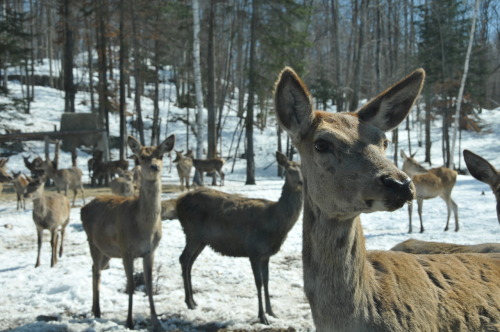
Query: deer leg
[
  {"x": 75, "y": 192},
  {"x": 420, "y": 203},
  {"x": 128, "y": 264},
  {"x": 147, "y": 262},
  {"x": 99, "y": 260},
  {"x": 455, "y": 212},
  {"x": 256, "y": 263},
  {"x": 410, "y": 211},
  {"x": 187, "y": 258},
  {"x": 265, "y": 276},
  {"x": 83, "y": 193},
  {"x": 39, "y": 232},
  {"x": 53, "y": 243},
  {"x": 221, "y": 173},
  {"x": 63, "y": 229}
]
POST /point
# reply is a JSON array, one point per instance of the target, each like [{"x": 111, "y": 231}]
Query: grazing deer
[
  {"x": 203, "y": 166},
  {"x": 20, "y": 182},
  {"x": 184, "y": 165},
  {"x": 237, "y": 226},
  {"x": 66, "y": 179},
  {"x": 50, "y": 211},
  {"x": 429, "y": 184},
  {"x": 346, "y": 173},
  {"x": 483, "y": 171},
  {"x": 128, "y": 227},
  {"x": 123, "y": 185},
  {"x": 413, "y": 246}
]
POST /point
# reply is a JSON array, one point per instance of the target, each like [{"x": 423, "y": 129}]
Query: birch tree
[
  {"x": 197, "y": 79},
  {"x": 462, "y": 83}
]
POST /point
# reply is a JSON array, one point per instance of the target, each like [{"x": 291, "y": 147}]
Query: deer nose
[
  {"x": 155, "y": 167},
  {"x": 403, "y": 188}
]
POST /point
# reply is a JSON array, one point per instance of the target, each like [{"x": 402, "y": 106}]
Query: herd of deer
[{"x": 415, "y": 286}]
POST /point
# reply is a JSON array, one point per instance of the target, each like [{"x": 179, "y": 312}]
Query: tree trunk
[
  {"x": 69, "y": 88},
  {"x": 137, "y": 76},
  {"x": 197, "y": 80},
  {"x": 211, "y": 109},
  {"x": 462, "y": 84},
  {"x": 123, "y": 101},
  {"x": 251, "y": 94}
]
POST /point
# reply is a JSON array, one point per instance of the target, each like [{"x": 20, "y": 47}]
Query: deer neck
[
  {"x": 337, "y": 276},
  {"x": 39, "y": 208},
  {"x": 149, "y": 200},
  {"x": 290, "y": 205}
]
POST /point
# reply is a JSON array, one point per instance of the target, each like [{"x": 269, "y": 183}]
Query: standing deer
[
  {"x": 4, "y": 176},
  {"x": 237, "y": 226},
  {"x": 20, "y": 182},
  {"x": 128, "y": 227},
  {"x": 203, "y": 166},
  {"x": 413, "y": 246},
  {"x": 429, "y": 184},
  {"x": 66, "y": 179},
  {"x": 483, "y": 171},
  {"x": 50, "y": 211},
  {"x": 184, "y": 166},
  {"x": 346, "y": 173}
]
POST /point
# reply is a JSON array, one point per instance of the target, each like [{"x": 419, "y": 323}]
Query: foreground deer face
[
  {"x": 150, "y": 157},
  {"x": 343, "y": 154},
  {"x": 485, "y": 172}
]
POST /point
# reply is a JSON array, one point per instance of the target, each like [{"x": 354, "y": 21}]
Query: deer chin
[{"x": 384, "y": 205}]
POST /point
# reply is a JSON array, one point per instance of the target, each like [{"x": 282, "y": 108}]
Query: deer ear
[
  {"x": 390, "y": 108},
  {"x": 281, "y": 159},
  {"x": 480, "y": 168},
  {"x": 293, "y": 104},
  {"x": 166, "y": 146},
  {"x": 403, "y": 154},
  {"x": 134, "y": 144}
]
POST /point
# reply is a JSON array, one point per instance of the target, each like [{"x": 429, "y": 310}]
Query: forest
[{"x": 217, "y": 50}]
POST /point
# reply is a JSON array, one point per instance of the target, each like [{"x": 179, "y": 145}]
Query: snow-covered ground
[{"x": 59, "y": 298}]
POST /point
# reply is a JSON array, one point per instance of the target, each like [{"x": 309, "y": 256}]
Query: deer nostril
[
  {"x": 155, "y": 167},
  {"x": 401, "y": 186}
]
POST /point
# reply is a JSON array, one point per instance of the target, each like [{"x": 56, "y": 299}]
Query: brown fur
[
  {"x": 128, "y": 227},
  {"x": 123, "y": 185},
  {"x": 238, "y": 226},
  {"x": 50, "y": 211},
  {"x": 184, "y": 166},
  {"x": 66, "y": 179},
  {"x": 20, "y": 182},
  {"x": 482, "y": 170},
  {"x": 413, "y": 246},
  {"x": 203, "y": 166},
  {"x": 346, "y": 173},
  {"x": 429, "y": 184}
]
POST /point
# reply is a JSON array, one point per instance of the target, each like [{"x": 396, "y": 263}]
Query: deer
[
  {"x": 212, "y": 165},
  {"x": 429, "y": 184},
  {"x": 123, "y": 185},
  {"x": 66, "y": 179},
  {"x": 414, "y": 246},
  {"x": 4, "y": 175},
  {"x": 346, "y": 173},
  {"x": 238, "y": 226},
  {"x": 34, "y": 166},
  {"x": 128, "y": 227},
  {"x": 106, "y": 170},
  {"x": 184, "y": 166},
  {"x": 20, "y": 182},
  {"x": 482, "y": 170},
  {"x": 50, "y": 211}
]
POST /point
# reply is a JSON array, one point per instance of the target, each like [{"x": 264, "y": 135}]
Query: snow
[{"x": 59, "y": 298}]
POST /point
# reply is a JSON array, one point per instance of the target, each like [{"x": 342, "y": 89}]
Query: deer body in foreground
[
  {"x": 50, "y": 211},
  {"x": 128, "y": 227},
  {"x": 20, "y": 182},
  {"x": 429, "y": 184},
  {"x": 66, "y": 179},
  {"x": 413, "y": 246},
  {"x": 238, "y": 226},
  {"x": 123, "y": 185},
  {"x": 346, "y": 173},
  {"x": 482, "y": 170},
  {"x": 184, "y": 166}
]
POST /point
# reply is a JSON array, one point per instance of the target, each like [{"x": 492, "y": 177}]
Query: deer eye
[{"x": 321, "y": 145}]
